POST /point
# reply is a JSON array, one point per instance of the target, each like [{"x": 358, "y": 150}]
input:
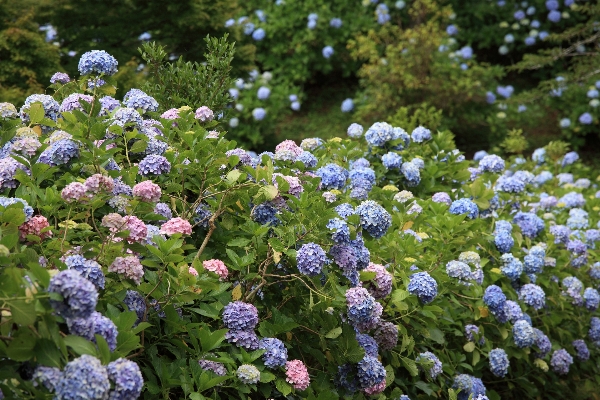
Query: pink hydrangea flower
[
  {"x": 193, "y": 271},
  {"x": 297, "y": 374},
  {"x": 176, "y": 225},
  {"x": 204, "y": 114},
  {"x": 34, "y": 227},
  {"x": 129, "y": 266},
  {"x": 172, "y": 113},
  {"x": 97, "y": 183},
  {"x": 295, "y": 186},
  {"x": 147, "y": 191},
  {"x": 376, "y": 389},
  {"x": 289, "y": 145},
  {"x": 136, "y": 227},
  {"x": 216, "y": 266},
  {"x": 27, "y": 146},
  {"x": 113, "y": 221},
  {"x": 74, "y": 191}
]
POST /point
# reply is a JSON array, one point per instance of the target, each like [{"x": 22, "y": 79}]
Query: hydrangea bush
[{"x": 145, "y": 255}]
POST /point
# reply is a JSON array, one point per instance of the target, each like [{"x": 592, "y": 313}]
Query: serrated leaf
[
  {"x": 80, "y": 345},
  {"x": 283, "y": 387},
  {"x": 469, "y": 347},
  {"x": 23, "y": 312},
  {"x": 233, "y": 176},
  {"x": 334, "y": 333},
  {"x": 36, "y": 112},
  {"x": 410, "y": 366}
]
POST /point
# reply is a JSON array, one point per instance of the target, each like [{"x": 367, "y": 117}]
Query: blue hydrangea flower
[
  {"x": 420, "y": 134},
  {"x": 423, "y": 286},
  {"x": 583, "y": 353},
  {"x": 578, "y": 219},
  {"x": 561, "y": 361},
  {"x": 95, "y": 324},
  {"x": 504, "y": 242},
  {"x": 362, "y": 307},
  {"x": 374, "y": 218},
  {"x": 46, "y": 376},
  {"x": 140, "y": 100},
  {"x": 347, "y": 105},
  {"x": 214, "y": 366},
  {"x": 83, "y": 378},
  {"x": 97, "y": 62},
  {"x": 509, "y": 184},
  {"x": 411, "y": 173},
  {"x": 523, "y": 334},
  {"x": 591, "y": 298},
  {"x": 258, "y": 34},
  {"x": 391, "y": 160},
  {"x": 127, "y": 378},
  {"x": 362, "y": 178},
  {"x": 494, "y": 298},
  {"x": 332, "y": 176},
  {"x": 136, "y": 302},
  {"x": 89, "y": 269},
  {"x": 542, "y": 343},
  {"x": 308, "y": 159},
  {"x": 355, "y": 130},
  {"x": 244, "y": 338},
  {"x": 346, "y": 378},
  {"x": 436, "y": 364},
  {"x": 470, "y": 331},
  {"x": 327, "y": 51},
  {"x": 50, "y": 106},
  {"x": 492, "y": 163},
  {"x": 79, "y": 296},
  {"x": 368, "y": 343},
  {"x": 370, "y": 372},
  {"x": 311, "y": 258},
  {"x": 512, "y": 267},
  {"x": 459, "y": 270},
  {"x": 240, "y": 315},
  {"x": 498, "y": 362},
  {"x": 27, "y": 209},
  {"x": 344, "y": 210},
  {"x": 275, "y": 354},
  {"x": 335, "y": 23},
  {"x": 572, "y": 200},
  {"x": 379, "y": 134},
  {"x": 531, "y": 225},
  {"x": 341, "y": 232},
  {"x": 465, "y": 206},
  {"x": 468, "y": 385},
  {"x": 154, "y": 164},
  {"x": 594, "y": 331},
  {"x": 533, "y": 295}
]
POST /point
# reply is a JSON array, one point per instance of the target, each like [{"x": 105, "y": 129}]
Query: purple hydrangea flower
[
  {"x": 83, "y": 378},
  {"x": 127, "y": 378},
  {"x": 374, "y": 218},
  {"x": 97, "y": 62},
  {"x": 499, "y": 362},
  {"x": 79, "y": 296},
  {"x": 154, "y": 164},
  {"x": 311, "y": 258},
  {"x": 423, "y": 286},
  {"x": 561, "y": 361}
]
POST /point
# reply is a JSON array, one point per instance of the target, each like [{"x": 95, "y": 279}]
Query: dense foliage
[{"x": 145, "y": 255}]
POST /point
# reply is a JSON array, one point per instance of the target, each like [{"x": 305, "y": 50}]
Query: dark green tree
[
  {"x": 27, "y": 60},
  {"x": 116, "y": 25}
]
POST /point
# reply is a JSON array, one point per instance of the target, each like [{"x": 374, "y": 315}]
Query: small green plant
[
  {"x": 515, "y": 142},
  {"x": 185, "y": 83}
]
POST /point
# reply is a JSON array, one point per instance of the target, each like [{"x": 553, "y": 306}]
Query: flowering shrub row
[{"x": 144, "y": 255}]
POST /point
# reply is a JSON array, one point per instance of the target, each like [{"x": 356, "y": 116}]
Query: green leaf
[
  {"x": 21, "y": 348},
  {"x": 238, "y": 242},
  {"x": 469, "y": 347},
  {"x": 103, "y": 349},
  {"x": 334, "y": 333},
  {"x": 476, "y": 357},
  {"x": 210, "y": 341},
  {"x": 367, "y": 275},
  {"x": 410, "y": 365},
  {"x": 283, "y": 387},
  {"x": 139, "y": 146},
  {"x": 36, "y": 112},
  {"x": 424, "y": 387},
  {"x": 23, "y": 312},
  {"x": 233, "y": 176},
  {"x": 80, "y": 345},
  {"x": 452, "y": 395},
  {"x": 47, "y": 353},
  {"x": 266, "y": 377}
]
